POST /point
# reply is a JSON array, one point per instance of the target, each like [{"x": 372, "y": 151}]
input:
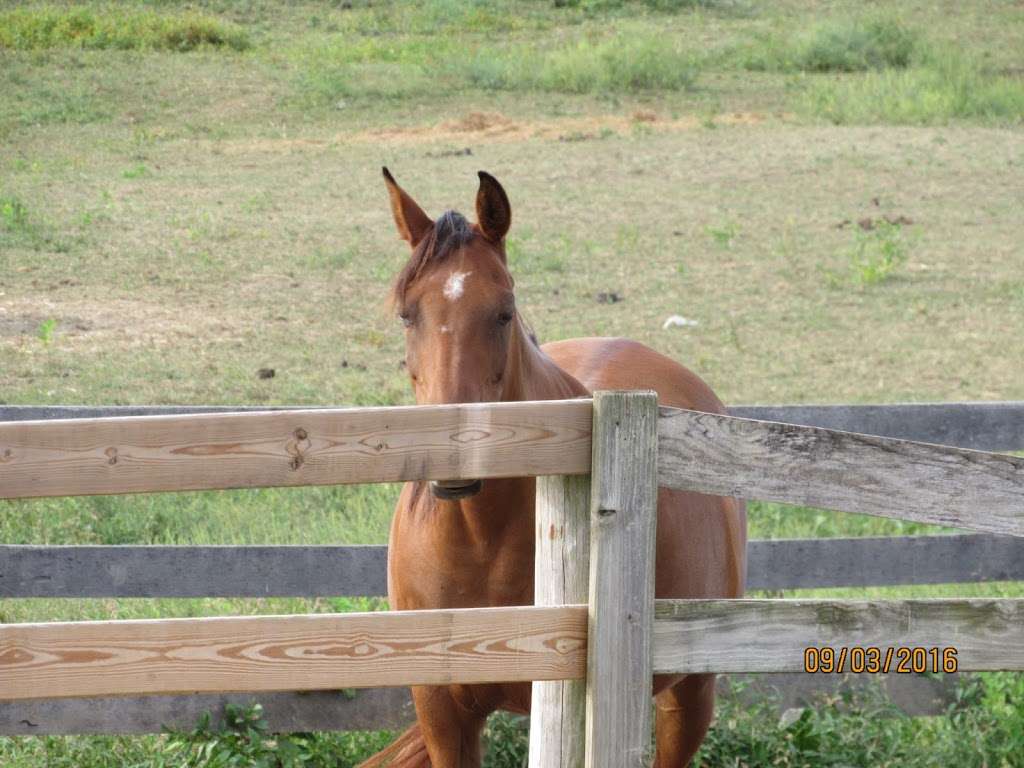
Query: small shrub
[
  {"x": 44, "y": 27},
  {"x": 852, "y": 46},
  {"x": 506, "y": 741},
  {"x": 621, "y": 64}
]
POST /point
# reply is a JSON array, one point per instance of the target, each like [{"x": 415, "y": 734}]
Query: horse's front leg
[{"x": 451, "y": 721}]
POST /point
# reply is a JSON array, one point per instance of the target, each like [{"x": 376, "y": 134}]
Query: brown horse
[{"x": 465, "y": 543}]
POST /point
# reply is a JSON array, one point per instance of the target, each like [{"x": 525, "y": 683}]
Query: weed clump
[
  {"x": 39, "y": 28},
  {"x": 944, "y": 87},
  {"x": 856, "y": 45},
  {"x": 878, "y": 253},
  {"x": 620, "y": 64}
]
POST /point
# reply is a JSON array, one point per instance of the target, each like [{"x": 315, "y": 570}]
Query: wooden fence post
[
  {"x": 624, "y": 497},
  {"x": 558, "y": 709}
]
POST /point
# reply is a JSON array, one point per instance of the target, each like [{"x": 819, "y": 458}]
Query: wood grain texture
[
  {"x": 287, "y": 448},
  {"x": 983, "y": 426},
  {"x": 841, "y": 470},
  {"x": 771, "y": 635},
  {"x": 279, "y": 653},
  {"x": 363, "y": 710},
  {"x": 881, "y": 561},
  {"x": 992, "y": 426},
  {"x": 624, "y": 497},
  {"x": 314, "y": 571},
  {"x": 561, "y": 570}
]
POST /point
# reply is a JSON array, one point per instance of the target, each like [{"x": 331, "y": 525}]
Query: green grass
[
  {"x": 114, "y": 27},
  {"x": 850, "y": 45},
  {"x": 623, "y": 62},
  {"x": 946, "y": 87}
]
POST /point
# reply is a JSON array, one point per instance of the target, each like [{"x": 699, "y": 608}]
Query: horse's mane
[{"x": 451, "y": 231}]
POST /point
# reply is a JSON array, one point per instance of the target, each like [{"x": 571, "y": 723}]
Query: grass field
[{"x": 190, "y": 192}]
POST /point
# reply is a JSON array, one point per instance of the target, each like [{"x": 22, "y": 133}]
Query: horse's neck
[{"x": 532, "y": 375}]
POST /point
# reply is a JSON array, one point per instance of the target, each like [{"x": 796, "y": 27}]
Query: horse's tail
[{"x": 407, "y": 751}]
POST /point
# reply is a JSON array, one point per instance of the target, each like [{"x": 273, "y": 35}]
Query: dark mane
[{"x": 451, "y": 231}]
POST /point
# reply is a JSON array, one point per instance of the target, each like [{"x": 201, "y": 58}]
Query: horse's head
[{"x": 455, "y": 298}]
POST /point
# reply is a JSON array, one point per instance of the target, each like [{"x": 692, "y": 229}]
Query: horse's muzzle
[{"x": 453, "y": 490}]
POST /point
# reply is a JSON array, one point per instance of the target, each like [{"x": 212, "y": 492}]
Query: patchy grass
[
  {"x": 620, "y": 63},
  {"x": 947, "y": 86},
  {"x": 114, "y": 27},
  {"x": 850, "y": 45}
]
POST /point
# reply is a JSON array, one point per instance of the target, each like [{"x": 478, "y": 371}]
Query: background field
[{"x": 190, "y": 192}]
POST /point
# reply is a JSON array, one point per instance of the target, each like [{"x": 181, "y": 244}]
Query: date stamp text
[{"x": 873, "y": 659}]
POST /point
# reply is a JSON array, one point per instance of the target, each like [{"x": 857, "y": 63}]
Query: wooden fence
[{"x": 45, "y": 664}]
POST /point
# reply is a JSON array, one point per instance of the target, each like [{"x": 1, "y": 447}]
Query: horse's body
[{"x": 464, "y": 544}]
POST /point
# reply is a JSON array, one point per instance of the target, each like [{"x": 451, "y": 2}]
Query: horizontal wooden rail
[
  {"x": 314, "y": 571},
  {"x": 734, "y": 636},
  {"x": 772, "y": 635},
  {"x": 280, "y": 653},
  {"x": 367, "y": 709},
  {"x": 179, "y": 571},
  {"x": 844, "y": 471},
  {"x": 391, "y": 708},
  {"x": 287, "y": 448},
  {"x": 877, "y": 561},
  {"x": 983, "y": 426},
  {"x": 992, "y": 426}
]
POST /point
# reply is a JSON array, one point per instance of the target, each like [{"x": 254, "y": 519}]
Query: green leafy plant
[
  {"x": 46, "y": 329},
  {"x": 724, "y": 234},
  {"x": 244, "y": 740},
  {"x": 878, "y": 253}
]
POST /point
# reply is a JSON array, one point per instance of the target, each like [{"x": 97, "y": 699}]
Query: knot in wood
[{"x": 297, "y": 447}]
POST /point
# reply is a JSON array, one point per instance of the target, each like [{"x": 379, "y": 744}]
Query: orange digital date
[{"x": 873, "y": 659}]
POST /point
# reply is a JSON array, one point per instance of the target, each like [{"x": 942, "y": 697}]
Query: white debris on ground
[{"x": 678, "y": 321}]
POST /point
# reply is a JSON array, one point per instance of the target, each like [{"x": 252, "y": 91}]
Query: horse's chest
[{"x": 450, "y": 572}]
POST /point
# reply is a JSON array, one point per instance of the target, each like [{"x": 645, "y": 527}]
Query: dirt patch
[
  {"x": 494, "y": 127},
  {"x": 488, "y": 127},
  {"x": 480, "y": 121},
  {"x": 85, "y": 325}
]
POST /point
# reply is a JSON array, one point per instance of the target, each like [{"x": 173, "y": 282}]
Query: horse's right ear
[{"x": 413, "y": 224}]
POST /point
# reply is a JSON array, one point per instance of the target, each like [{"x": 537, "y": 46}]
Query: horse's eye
[
  {"x": 406, "y": 319},
  {"x": 504, "y": 318}
]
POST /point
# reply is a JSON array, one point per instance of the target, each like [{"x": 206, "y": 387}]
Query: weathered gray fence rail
[{"x": 314, "y": 571}]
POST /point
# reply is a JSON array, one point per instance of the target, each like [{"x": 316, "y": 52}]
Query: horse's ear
[
  {"x": 493, "y": 213},
  {"x": 413, "y": 224}
]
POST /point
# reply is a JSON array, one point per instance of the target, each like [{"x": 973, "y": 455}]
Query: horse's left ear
[{"x": 493, "y": 213}]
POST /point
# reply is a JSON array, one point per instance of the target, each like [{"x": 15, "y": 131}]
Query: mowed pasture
[{"x": 190, "y": 198}]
